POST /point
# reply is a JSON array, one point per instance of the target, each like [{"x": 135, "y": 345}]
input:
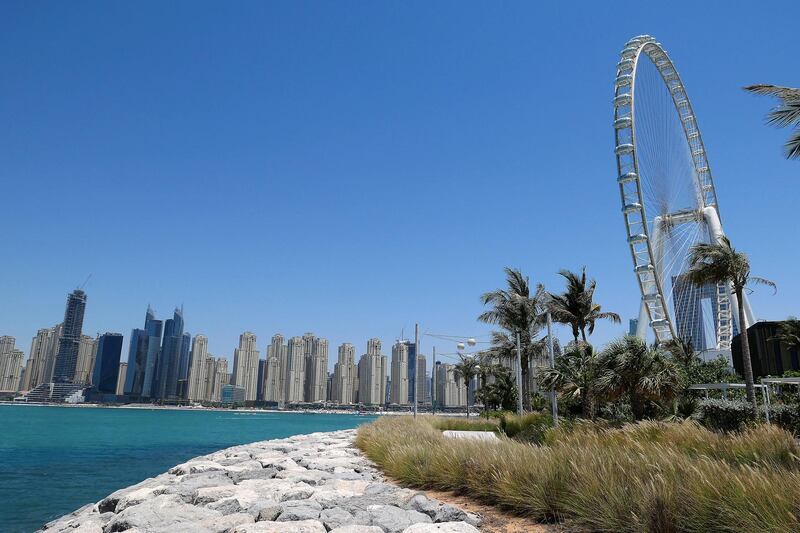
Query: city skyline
[{"x": 167, "y": 364}]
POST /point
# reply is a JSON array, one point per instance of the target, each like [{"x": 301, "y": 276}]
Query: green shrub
[
  {"x": 511, "y": 424},
  {"x": 535, "y": 433},
  {"x": 462, "y": 424},
  {"x": 786, "y": 417},
  {"x": 726, "y": 415}
]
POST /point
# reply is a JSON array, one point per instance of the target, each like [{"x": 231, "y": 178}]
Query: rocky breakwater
[{"x": 304, "y": 484}]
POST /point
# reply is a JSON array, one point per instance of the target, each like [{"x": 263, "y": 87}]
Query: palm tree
[
  {"x": 722, "y": 263},
  {"x": 576, "y": 306},
  {"x": 789, "y": 333},
  {"x": 785, "y": 114},
  {"x": 629, "y": 368},
  {"x": 466, "y": 369},
  {"x": 501, "y": 393},
  {"x": 517, "y": 311},
  {"x": 573, "y": 376}
]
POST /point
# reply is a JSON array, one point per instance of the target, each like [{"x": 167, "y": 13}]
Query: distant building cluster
[{"x": 166, "y": 364}]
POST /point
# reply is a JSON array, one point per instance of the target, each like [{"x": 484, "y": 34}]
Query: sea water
[{"x": 54, "y": 460}]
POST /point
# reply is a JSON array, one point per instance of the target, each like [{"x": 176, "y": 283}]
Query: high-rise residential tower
[
  {"x": 41, "y": 358},
  {"x": 372, "y": 375},
  {"x": 123, "y": 372},
  {"x": 10, "y": 364},
  {"x": 245, "y": 365},
  {"x": 316, "y": 362},
  {"x": 198, "y": 369},
  {"x": 274, "y": 370},
  {"x": 218, "y": 377},
  {"x": 106, "y": 367},
  {"x": 87, "y": 352},
  {"x": 400, "y": 355},
  {"x": 294, "y": 368},
  {"x": 67, "y": 356},
  {"x": 450, "y": 392},
  {"x": 344, "y": 374}
]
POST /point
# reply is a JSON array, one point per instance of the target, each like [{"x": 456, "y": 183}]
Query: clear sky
[{"x": 351, "y": 168}]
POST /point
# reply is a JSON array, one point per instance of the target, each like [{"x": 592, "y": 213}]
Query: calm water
[{"x": 56, "y": 459}]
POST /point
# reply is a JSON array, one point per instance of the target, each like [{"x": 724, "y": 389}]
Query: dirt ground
[{"x": 494, "y": 520}]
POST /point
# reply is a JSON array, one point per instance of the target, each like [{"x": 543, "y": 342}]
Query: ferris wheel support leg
[
  {"x": 643, "y": 322},
  {"x": 715, "y": 227}
]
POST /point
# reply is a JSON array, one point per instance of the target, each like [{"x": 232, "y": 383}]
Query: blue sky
[{"x": 350, "y": 168}]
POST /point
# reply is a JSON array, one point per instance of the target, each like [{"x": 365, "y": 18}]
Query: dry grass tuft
[{"x": 651, "y": 476}]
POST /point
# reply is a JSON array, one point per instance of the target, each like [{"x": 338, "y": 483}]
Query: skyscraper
[
  {"x": 183, "y": 365},
  {"x": 106, "y": 367},
  {"x": 10, "y": 364},
  {"x": 7, "y": 344},
  {"x": 121, "y": 375},
  {"x": 169, "y": 358},
  {"x": 412, "y": 368},
  {"x": 372, "y": 375},
  {"x": 41, "y": 358},
  {"x": 316, "y": 362},
  {"x": 245, "y": 365},
  {"x": 400, "y": 382},
  {"x": 449, "y": 392},
  {"x": 218, "y": 378},
  {"x": 198, "y": 369},
  {"x": 294, "y": 368},
  {"x": 67, "y": 356},
  {"x": 422, "y": 380},
  {"x": 137, "y": 362},
  {"x": 154, "y": 329},
  {"x": 262, "y": 368},
  {"x": 274, "y": 370},
  {"x": 344, "y": 372},
  {"x": 87, "y": 352}
]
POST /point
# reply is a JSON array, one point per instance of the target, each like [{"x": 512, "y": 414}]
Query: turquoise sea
[{"x": 56, "y": 459}]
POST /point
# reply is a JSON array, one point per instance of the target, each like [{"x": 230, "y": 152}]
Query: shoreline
[
  {"x": 312, "y": 483},
  {"x": 248, "y": 410}
]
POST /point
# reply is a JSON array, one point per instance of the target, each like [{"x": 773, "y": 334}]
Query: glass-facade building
[
  {"x": 155, "y": 329},
  {"x": 106, "y": 365},
  {"x": 169, "y": 359},
  {"x": 137, "y": 362}
]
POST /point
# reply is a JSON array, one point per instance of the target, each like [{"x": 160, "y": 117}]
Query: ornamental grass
[{"x": 650, "y": 476}]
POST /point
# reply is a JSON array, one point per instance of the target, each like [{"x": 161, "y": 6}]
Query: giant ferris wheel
[{"x": 668, "y": 200}]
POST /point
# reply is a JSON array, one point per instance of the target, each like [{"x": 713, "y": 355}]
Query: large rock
[
  {"x": 295, "y": 510},
  {"x": 445, "y": 527},
  {"x": 195, "y": 467},
  {"x": 166, "y": 513},
  {"x": 423, "y": 504},
  {"x": 304, "y": 526},
  {"x": 336, "y": 517},
  {"x": 393, "y": 519},
  {"x": 187, "y": 485},
  {"x": 357, "y": 529},
  {"x": 223, "y": 524},
  {"x": 450, "y": 513}
]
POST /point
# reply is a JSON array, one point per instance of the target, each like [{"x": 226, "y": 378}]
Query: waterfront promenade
[{"x": 311, "y": 483}]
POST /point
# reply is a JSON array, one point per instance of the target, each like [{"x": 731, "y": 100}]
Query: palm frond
[
  {"x": 774, "y": 90},
  {"x": 793, "y": 145}
]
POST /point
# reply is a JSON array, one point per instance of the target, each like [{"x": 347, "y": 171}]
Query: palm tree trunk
[
  {"x": 526, "y": 393},
  {"x": 746, "y": 363}
]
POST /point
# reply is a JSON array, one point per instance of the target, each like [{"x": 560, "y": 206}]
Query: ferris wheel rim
[{"x": 633, "y": 204}]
